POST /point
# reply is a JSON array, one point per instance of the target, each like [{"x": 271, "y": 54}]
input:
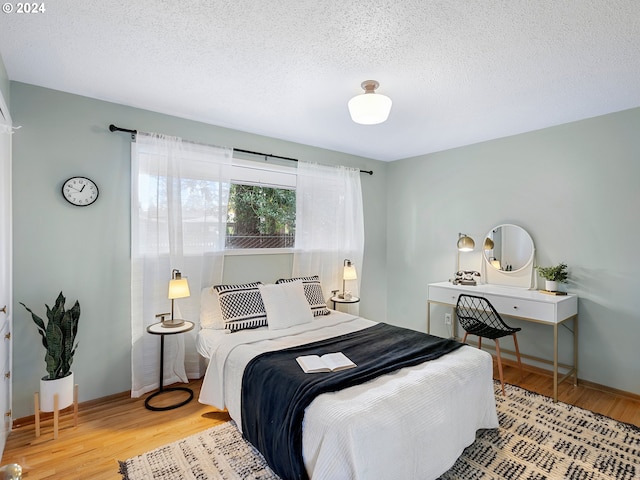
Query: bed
[{"x": 412, "y": 423}]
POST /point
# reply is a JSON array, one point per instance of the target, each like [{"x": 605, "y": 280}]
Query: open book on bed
[{"x": 330, "y": 362}]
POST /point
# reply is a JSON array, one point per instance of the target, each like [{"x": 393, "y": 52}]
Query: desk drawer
[
  {"x": 443, "y": 295},
  {"x": 517, "y": 307}
]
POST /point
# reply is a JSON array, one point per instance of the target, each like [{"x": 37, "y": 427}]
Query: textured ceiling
[{"x": 458, "y": 71}]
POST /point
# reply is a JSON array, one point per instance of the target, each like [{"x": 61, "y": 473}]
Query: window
[{"x": 262, "y": 207}]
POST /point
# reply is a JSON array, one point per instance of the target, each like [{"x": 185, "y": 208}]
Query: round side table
[
  {"x": 336, "y": 299},
  {"x": 159, "y": 329}
]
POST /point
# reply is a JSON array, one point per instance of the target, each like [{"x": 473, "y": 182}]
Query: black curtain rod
[{"x": 113, "y": 128}]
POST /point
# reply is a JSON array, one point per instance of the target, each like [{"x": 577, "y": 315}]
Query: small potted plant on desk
[
  {"x": 553, "y": 276},
  {"x": 58, "y": 338}
]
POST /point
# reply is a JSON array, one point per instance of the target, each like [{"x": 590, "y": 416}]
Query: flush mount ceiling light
[{"x": 369, "y": 108}]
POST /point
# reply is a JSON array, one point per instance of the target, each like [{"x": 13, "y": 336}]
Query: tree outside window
[{"x": 260, "y": 217}]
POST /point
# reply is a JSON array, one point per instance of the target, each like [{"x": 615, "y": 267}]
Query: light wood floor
[{"x": 118, "y": 428}]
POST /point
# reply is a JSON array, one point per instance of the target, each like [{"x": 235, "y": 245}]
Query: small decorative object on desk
[
  {"x": 465, "y": 277},
  {"x": 553, "y": 276}
]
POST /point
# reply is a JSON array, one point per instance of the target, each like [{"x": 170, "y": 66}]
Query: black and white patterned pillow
[
  {"x": 313, "y": 292},
  {"x": 241, "y": 306}
]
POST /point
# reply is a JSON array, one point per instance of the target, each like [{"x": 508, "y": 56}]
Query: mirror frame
[{"x": 521, "y": 267}]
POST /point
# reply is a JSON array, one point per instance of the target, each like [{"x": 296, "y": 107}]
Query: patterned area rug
[
  {"x": 537, "y": 440},
  {"x": 218, "y": 453}
]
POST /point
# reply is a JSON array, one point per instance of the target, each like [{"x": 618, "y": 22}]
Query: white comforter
[{"x": 410, "y": 424}]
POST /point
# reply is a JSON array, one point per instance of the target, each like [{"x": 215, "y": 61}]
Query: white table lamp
[
  {"x": 348, "y": 273},
  {"x": 178, "y": 288}
]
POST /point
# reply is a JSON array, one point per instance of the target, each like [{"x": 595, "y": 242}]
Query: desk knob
[{"x": 515, "y": 307}]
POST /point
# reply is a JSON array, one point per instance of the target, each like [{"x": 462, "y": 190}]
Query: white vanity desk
[{"x": 529, "y": 305}]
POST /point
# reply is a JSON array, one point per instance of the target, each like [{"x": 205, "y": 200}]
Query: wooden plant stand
[{"x": 56, "y": 412}]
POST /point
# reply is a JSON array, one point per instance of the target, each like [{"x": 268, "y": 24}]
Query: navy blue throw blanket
[{"x": 275, "y": 390}]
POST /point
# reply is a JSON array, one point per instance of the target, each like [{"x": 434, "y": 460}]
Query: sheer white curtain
[
  {"x": 329, "y": 224},
  {"x": 179, "y": 193}
]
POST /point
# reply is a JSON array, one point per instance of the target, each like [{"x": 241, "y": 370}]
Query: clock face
[{"x": 80, "y": 191}]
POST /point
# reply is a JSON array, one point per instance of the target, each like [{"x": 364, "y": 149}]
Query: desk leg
[
  {"x": 454, "y": 323},
  {"x": 555, "y": 362},
  {"x": 428, "y": 317}
]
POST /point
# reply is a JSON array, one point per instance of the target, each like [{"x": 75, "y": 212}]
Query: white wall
[
  {"x": 574, "y": 188},
  {"x": 85, "y": 251}
]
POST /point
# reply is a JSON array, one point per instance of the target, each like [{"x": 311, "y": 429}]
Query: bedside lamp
[
  {"x": 348, "y": 273},
  {"x": 178, "y": 288}
]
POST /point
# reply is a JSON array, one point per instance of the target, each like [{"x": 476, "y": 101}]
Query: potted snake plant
[{"x": 58, "y": 339}]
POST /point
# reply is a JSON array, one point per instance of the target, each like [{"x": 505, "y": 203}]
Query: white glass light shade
[
  {"x": 369, "y": 108},
  {"x": 349, "y": 273},
  {"x": 178, "y": 288}
]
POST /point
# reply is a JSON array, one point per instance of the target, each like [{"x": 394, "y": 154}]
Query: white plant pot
[
  {"x": 551, "y": 285},
  {"x": 61, "y": 386}
]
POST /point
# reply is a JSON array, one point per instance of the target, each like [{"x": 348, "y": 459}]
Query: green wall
[
  {"x": 574, "y": 188},
  {"x": 85, "y": 251}
]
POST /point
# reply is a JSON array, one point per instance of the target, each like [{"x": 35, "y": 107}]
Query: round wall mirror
[{"x": 508, "y": 248}]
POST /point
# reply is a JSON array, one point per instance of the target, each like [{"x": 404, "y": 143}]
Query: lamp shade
[
  {"x": 349, "y": 272},
  {"x": 465, "y": 244},
  {"x": 488, "y": 244},
  {"x": 178, "y": 288},
  {"x": 369, "y": 108}
]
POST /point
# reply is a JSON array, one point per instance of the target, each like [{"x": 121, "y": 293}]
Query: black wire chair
[{"x": 478, "y": 317}]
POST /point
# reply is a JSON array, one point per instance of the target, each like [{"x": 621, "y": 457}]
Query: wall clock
[{"x": 80, "y": 191}]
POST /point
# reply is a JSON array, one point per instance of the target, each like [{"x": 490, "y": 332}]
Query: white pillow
[
  {"x": 210, "y": 312},
  {"x": 313, "y": 291},
  {"x": 286, "y": 305}
]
